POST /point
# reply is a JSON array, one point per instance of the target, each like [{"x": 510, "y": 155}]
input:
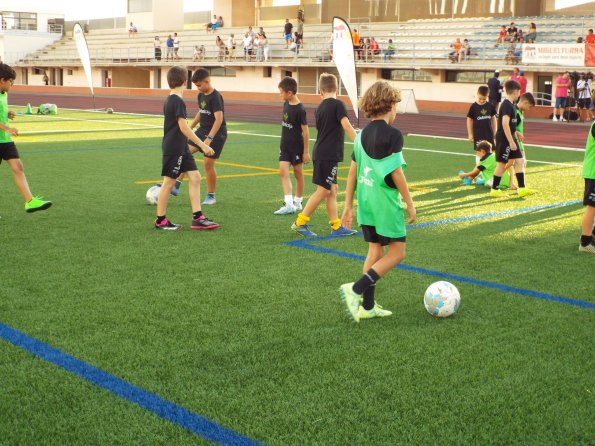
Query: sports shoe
[
  {"x": 37, "y": 204},
  {"x": 298, "y": 206},
  {"x": 203, "y": 222},
  {"x": 589, "y": 248},
  {"x": 377, "y": 311},
  {"x": 562, "y": 119},
  {"x": 351, "y": 300},
  {"x": 209, "y": 199},
  {"x": 285, "y": 210},
  {"x": 342, "y": 231},
  {"x": 174, "y": 191},
  {"x": 497, "y": 193},
  {"x": 479, "y": 182},
  {"x": 554, "y": 118},
  {"x": 525, "y": 191},
  {"x": 303, "y": 230},
  {"x": 167, "y": 225}
]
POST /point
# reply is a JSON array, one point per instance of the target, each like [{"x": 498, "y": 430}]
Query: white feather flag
[
  {"x": 83, "y": 49},
  {"x": 345, "y": 59}
]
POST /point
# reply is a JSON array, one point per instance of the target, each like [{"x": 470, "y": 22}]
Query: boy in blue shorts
[
  {"x": 8, "y": 149},
  {"x": 294, "y": 147},
  {"x": 377, "y": 172},
  {"x": 177, "y": 159},
  {"x": 212, "y": 128},
  {"x": 332, "y": 123},
  {"x": 587, "y": 243}
]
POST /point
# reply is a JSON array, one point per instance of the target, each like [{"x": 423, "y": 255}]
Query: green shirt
[
  {"x": 520, "y": 127},
  {"x": 589, "y": 164},
  {"x": 378, "y": 204},
  {"x": 4, "y": 137},
  {"x": 489, "y": 166}
]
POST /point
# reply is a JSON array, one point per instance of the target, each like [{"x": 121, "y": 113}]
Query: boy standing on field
[
  {"x": 587, "y": 243},
  {"x": 176, "y": 156},
  {"x": 507, "y": 147},
  {"x": 481, "y": 119},
  {"x": 377, "y": 173},
  {"x": 212, "y": 127},
  {"x": 8, "y": 149},
  {"x": 332, "y": 123},
  {"x": 295, "y": 146}
]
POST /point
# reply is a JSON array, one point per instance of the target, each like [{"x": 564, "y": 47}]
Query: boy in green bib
[
  {"x": 486, "y": 167},
  {"x": 587, "y": 243},
  {"x": 376, "y": 173}
]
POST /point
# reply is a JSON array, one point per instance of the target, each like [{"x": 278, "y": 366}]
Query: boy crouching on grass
[
  {"x": 294, "y": 148},
  {"x": 484, "y": 171},
  {"x": 8, "y": 149},
  {"x": 587, "y": 243},
  {"x": 176, "y": 155},
  {"x": 382, "y": 194}
]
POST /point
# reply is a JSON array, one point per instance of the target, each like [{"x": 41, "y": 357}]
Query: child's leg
[
  {"x": 375, "y": 253},
  {"x": 498, "y": 172},
  {"x": 588, "y": 221},
  {"x": 163, "y": 198},
  {"x": 331, "y": 206},
  {"x": 285, "y": 180},
  {"x": 18, "y": 173},
  {"x": 510, "y": 170},
  {"x": 320, "y": 194},
  {"x": 194, "y": 190},
  {"x": 211, "y": 174},
  {"x": 298, "y": 173}
]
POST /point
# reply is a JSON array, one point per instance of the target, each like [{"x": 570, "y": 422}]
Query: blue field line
[
  {"x": 165, "y": 409},
  {"x": 308, "y": 243}
]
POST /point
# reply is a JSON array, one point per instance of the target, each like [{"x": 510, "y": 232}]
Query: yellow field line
[
  {"x": 236, "y": 175},
  {"x": 244, "y": 166}
]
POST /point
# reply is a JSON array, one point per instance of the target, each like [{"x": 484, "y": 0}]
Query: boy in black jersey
[
  {"x": 481, "y": 119},
  {"x": 295, "y": 146},
  {"x": 176, "y": 156},
  {"x": 507, "y": 145},
  {"x": 332, "y": 123},
  {"x": 212, "y": 127}
]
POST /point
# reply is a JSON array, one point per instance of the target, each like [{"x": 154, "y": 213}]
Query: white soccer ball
[
  {"x": 442, "y": 299},
  {"x": 109, "y": 110},
  {"x": 153, "y": 194}
]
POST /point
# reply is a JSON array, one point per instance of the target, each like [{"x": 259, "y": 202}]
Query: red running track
[{"x": 538, "y": 131}]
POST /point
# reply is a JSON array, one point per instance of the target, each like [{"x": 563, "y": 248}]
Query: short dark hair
[
  {"x": 484, "y": 145},
  {"x": 177, "y": 76},
  {"x": 288, "y": 84},
  {"x": 511, "y": 85},
  {"x": 6, "y": 72},
  {"x": 200, "y": 75},
  {"x": 483, "y": 90},
  {"x": 528, "y": 97}
]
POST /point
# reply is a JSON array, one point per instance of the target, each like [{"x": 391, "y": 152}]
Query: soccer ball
[
  {"x": 442, "y": 299},
  {"x": 152, "y": 194},
  {"x": 109, "y": 111}
]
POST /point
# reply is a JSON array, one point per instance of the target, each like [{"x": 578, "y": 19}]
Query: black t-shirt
[
  {"x": 482, "y": 121},
  {"x": 380, "y": 140},
  {"x": 495, "y": 88},
  {"x": 174, "y": 141},
  {"x": 330, "y": 141},
  {"x": 288, "y": 27},
  {"x": 208, "y": 104},
  {"x": 507, "y": 108},
  {"x": 294, "y": 116}
]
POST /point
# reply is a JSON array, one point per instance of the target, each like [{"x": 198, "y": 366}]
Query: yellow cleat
[
  {"x": 525, "y": 192},
  {"x": 497, "y": 193},
  {"x": 377, "y": 311}
]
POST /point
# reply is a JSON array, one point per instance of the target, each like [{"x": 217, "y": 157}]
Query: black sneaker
[
  {"x": 167, "y": 225},
  {"x": 203, "y": 222}
]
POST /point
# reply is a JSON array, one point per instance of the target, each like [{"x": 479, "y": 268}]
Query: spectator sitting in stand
[
  {"x": 531, "y": 35},
  {"x": 465, "y": 50},
  {"x": 374, "y": 48},
  {"x": 579, "y": 39},
  {"x": 501, "y": 36},
  {"x": 212, "y": 23},
  {"x": 390, "y": 50},
  {"x": 218, "y": 24},
  {"x": 456, "y": 47},
  {"x": 199, "y": 53},
  {"x": 132, "y": 29},
  {"x": 590, "y": 37}
]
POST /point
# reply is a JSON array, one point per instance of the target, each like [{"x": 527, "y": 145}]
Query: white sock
[
  {"x": 297, "y": 200},
  {"x": 288, "y": 200}
]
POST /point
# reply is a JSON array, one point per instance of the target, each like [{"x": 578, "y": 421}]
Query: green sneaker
[
  {"x": 37, "y": 204},
  {"x": 351, "y": 300},
  {"x": 497, "y": 193},
  {"x": 377, "y": 311}
]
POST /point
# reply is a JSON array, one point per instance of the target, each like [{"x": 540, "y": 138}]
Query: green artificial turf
[{"x": 240, "y": 328}]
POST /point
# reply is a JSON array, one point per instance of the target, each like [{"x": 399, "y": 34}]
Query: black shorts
[
  {"x": 584, "y": 103},
  {"x": 174, "y": 165},
  {"x": 589, "y": 197},
  {"x": 325, "y": 173},
  {"x": 8, "y": 151},
  {"x": 504, "y": 153},
  {"x": 293, "y": 157},
  {"x": 371, "y": 236},
  {"x": 216, "y": 144}
]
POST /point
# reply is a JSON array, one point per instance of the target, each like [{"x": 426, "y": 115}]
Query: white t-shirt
[
  {"x": 230, "y": 42},
  {"x": 176, "y": 42},
  {"x": 248, "y": 42},
  {"x": 585, "y": 85}
]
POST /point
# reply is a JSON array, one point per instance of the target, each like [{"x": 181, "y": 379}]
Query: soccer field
[{"x": 114, "y": 333}]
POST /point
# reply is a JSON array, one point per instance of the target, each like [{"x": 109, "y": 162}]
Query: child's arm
[
  {"x": 188, "y": 133},
  {"x": 470, "y": 129},
  {"x": 216, "y": 124},
  {"x": 195, "y": 121},
  {"x": 348, "y": 128},
  {"x": 494, "y": 124},
  {"x": 471, "y": 174},
  {"x": 347, "y": 218},
  {"x": 401, "y": 182},
  {"x": 520, "y": 136},
  {"x": 505, "y": 124},
  {"x": 10, "y": 130},
  {"x": 306, "y": 135}
]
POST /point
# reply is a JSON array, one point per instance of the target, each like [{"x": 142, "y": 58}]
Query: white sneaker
[
  {"x": 285, "y": 210},
  {"x": 554, "y": 118},
  {"x": 298, "y": 206},
  {"x": 589, "y": 248},
  {"x": 562, "y": 119}
]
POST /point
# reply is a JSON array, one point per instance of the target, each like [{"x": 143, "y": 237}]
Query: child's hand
[
  {"x": 513, "y": 146},
  {"x": 306, "y": 157},
  {"x": 347, "y": 218},
  {"x": 470, "y": 137},
  {"x": 12, "y": 131},
  {"x": 208, "y": 151},
  {"x": 412, "y": 213},
  {"x": 462, "y": 175},
  {"x": 520, "y": 136},
  {"x": 11, "y": 115}
]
